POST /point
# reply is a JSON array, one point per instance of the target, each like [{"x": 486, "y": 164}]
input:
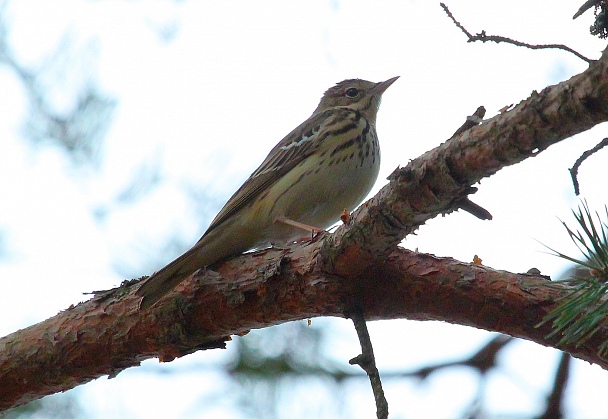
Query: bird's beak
[{"x": 381, "y": 87}]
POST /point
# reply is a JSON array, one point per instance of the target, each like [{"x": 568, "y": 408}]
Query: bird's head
[{"x": 361, "y": 95}]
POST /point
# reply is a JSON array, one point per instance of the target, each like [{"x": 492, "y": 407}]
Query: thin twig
[
  {"x": 580, "y": 160},
  {"x": 483, "y": 37},
  {"x": 367, "y": 362},
  {"x": 457, "y": 23}
]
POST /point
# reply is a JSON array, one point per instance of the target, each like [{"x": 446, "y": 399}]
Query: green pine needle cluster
[{"x": 583, "y": 310}]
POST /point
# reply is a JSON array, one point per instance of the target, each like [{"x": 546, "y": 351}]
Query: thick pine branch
[
  {"x": 108, "y": 334},
  {"x": 263, "y": 289}
]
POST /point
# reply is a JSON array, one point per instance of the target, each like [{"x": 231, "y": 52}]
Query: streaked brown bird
[{"x": 327, "y": 164}]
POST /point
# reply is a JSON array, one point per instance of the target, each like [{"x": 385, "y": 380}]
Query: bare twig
[
  {"x": 580, "y": 160},
  {"x": 457, "y": 23},
  {"x": 483, "y": 37},
  {"x": 367, "y": 362}
]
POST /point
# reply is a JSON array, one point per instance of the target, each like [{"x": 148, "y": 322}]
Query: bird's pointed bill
[{"x": 381, "y": 87}]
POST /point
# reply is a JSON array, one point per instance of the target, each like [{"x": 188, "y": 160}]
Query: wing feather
[{"x": 288, "y": 153}]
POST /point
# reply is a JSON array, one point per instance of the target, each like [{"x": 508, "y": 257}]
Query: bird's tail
[
  {"x": 215, "y": 245},
  {"x": 163, "y": 281}
]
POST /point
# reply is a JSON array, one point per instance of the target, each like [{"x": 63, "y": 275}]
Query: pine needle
[{"x": 582, "y": 311}]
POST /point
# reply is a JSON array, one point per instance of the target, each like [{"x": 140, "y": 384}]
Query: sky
[{"x": 205, "y": 90}]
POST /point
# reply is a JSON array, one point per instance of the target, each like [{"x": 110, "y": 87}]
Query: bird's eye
[{"x": 352, "y": 92}]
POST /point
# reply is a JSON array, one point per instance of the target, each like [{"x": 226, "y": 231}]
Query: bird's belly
[{"x": 317, "y": 194}]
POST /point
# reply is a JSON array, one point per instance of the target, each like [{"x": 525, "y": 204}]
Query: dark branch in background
[
  {"x": 367, "y": 362},
  {"x": 486, "y": 360},
  {"x": 300, "y": 358},
  {"x": 556, "y": 398},
  {"x": 581, "y": 159},
  {"x": 296, "y": 360},
  {"x": 483, "y": 360},
  {"x": 483, "y": 37}
]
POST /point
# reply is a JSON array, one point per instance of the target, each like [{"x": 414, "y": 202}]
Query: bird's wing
[{"x": 288, "y": 153}]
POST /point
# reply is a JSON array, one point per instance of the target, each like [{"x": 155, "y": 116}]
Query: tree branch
[
  {"x": 263, "y": 289},
  {"x": 360, "y": 264}
]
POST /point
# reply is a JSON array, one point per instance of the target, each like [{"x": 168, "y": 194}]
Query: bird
[{"x": 326, "y": 165}]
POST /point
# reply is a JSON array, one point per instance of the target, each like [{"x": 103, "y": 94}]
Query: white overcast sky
[{"x": 208, "y": 104}]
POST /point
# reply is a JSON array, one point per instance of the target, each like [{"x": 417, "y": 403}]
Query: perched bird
[{"x": 327, "y": 164}]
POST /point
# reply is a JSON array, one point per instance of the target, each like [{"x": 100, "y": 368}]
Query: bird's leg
[{"x": 313, "y": 230}]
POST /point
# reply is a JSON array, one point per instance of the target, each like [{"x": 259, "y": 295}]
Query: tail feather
[
  {"x": 163, "y": 281},
  {"x": 156, "y": 287},
  {"x": 215, "y": 245}
]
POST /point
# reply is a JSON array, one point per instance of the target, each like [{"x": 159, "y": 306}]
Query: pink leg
[{"x": 313, "y": 230}]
